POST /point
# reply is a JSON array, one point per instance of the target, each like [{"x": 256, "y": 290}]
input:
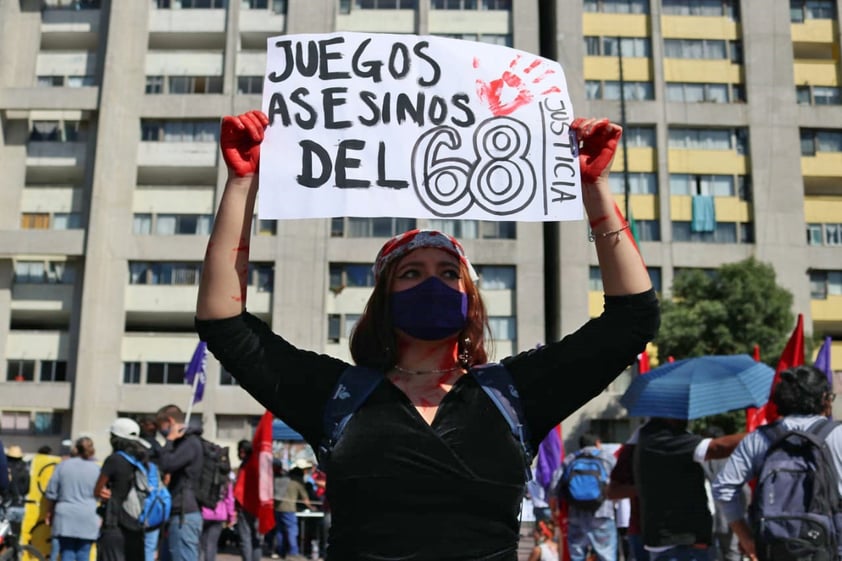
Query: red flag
[
  {"x": 643, "y": 362},
  {"x": 253, "y": 488},
  {"x": 793, "y": 355}
]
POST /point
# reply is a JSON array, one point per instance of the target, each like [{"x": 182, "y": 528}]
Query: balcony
[
  {"x": 823, "y": 210},
  {"x": 377, "y": 21},
  {"x": 60, "y": 99},
  {"x": 640, "y": 160},
  {"x": 827, "y": 317},
  {"x": 823, "y": 164},
  {"x": 42, "y": 242},
  {"x": 69, "y": 28},
  {"x": 816, "y": 72},
  {"x": 608, "y": 68},
  {"x": 177, "y": 154},
  {"x": 707, "y": 161},
  {"x": 56, "y": 155},
  {"x": 611, "y": 25},
  {"x": 470, "y": 21},
  {"x": 813, "y": 31},
  {"x": 702, "y": 71},
  {"x": 186, "y": 29},
  {"x": 42, "y": 302},
  {"x": 728, "y": 209},
  {"x": 155, "y": 305},
  {"x": 700, "y": 27}
]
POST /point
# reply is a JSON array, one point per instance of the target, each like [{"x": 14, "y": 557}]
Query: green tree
[{"x": 727, "y": 312}]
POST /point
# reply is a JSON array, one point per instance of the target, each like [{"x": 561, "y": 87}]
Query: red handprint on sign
[{"x": 513, "y": 89}]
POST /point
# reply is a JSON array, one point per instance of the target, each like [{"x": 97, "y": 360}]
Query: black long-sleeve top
[
  {"x": 182, "y": 459},
  {"x": 401, "y": 489}
]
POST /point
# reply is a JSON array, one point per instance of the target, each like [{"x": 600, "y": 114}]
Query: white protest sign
[{"x": 415, "y": 126}]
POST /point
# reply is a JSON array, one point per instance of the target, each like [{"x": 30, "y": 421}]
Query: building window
[
  {"x": 355, "y": 227},
  {"x": 824, "y": 284},
  {"x": 610, "y": 90},
  {"x": 178, "y": 131},
  {"x": 58, "y": 131},
  {"x": 833, "y": 234},
  {"x": 502, "y": 39},
  {"x": 157, "y": 273},
  {"x": 235, "y": 427},
  {"x": 709, "y": 139},
  {"x": 67, "y": 221},
  {"x": 131, "y": 372},
  {"x": 637, "y": 47},
  {"x": 154, "y": 85},
  {"x": 71, "y": 4},
  {"x": 475, "y": 229},
  {"x": 350, "y": 275},
  {"x": 726, "y": 232},
  {"x": 15, "y": 422},
  {"x": 655, "y": 277},
  {"x": 820, "y": 140},
  {"x": 180, "y": 224},
  {"x": 53, "y": 371},
  {"x": 20, "y": 370},
  {"x": 379, "y": 5},
  {"x": 712, "y": 49},
  {"x": 640, "y": 183},
  {"x": 40, "y": 423},
  {"x": 277, "y": 6},
  {"x": 801, "y": 10},
  {"x": 502, "y": 328},
  {"x": 334, "y": 327},
  {"x": 594, "y": 280},
  {"x": 496, "y": 277},
  {"x": 226, "y": 378},
  {"x": 190, "y": 4},
  {"x": 195, "y": 84},
  {"x": 712, "y": 8},
  {"x": 44, "y": 272},
  {"x": 689, "y": 184},
  {"x": 69, "y": 81},
  {"x": 814, "y": 234},
  {"x": 249, "y": 85},
  {"x": 261, "y": 276},
  {"x": 688, "y": 92},
  {"x": 647, "y": 230},
  {"x": 617, "y": 6},
  {"x": 263, "y": 227},
  {"x": 165, "y": 372},
  {"x": 639, "y": 137}
]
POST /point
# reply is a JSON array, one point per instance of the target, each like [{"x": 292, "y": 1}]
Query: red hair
[{"x": 373, "y": 341}]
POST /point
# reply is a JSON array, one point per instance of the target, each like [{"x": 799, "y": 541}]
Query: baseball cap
[{"x": 128, "y": 429}]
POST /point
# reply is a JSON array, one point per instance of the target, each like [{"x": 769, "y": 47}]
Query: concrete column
[{"x": 101, "y": 326}]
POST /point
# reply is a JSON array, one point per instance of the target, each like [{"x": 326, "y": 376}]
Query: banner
[{"x": 415, "y": 126}]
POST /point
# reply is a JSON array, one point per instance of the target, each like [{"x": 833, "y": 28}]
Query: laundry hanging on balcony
[{"x": 703, "y": 214}]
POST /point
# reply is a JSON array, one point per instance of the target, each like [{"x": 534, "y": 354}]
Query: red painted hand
[
  {"x": 240, "y": 139},
  {"x": 513, "y": 89},
  {"x": 597, "y": 145}
]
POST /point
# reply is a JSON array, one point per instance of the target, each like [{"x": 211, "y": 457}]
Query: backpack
[
  {"x": 795, "y": 514},
  {"x": 356, "y": 384},
  {"x": 584, "y": 480},
  {"x": 212, "y": 484},
  {"x": 19, "y": 481},
  {"x": 148, "y": 504}
]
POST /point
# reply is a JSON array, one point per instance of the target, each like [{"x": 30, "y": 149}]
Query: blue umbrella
[{"x": 698, "y": 387}]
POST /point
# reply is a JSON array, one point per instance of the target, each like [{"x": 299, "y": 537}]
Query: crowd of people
[
  {"x": 700, "y": 497},
  {"x": 86, "y": 498}
]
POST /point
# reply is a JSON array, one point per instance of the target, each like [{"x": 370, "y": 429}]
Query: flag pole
[{"x": 192, "y": 400}]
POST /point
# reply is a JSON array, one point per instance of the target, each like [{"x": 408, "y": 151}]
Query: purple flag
[
  {"x": 550, "y": 455},
  {"x": 823, "y": 360},
  {"x": 197, "y": 368}
]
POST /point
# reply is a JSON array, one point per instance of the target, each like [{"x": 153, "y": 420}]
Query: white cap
[
  {"x": 128, "y": 429},
  {"x": 302, "y": 463}
]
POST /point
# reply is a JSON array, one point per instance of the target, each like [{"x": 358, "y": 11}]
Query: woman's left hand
[{"x": 597, "y": 145}]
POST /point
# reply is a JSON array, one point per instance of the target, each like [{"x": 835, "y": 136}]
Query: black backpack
[
  {"x": 795, "y": 511},
  {"x": 212, "y": 484}
]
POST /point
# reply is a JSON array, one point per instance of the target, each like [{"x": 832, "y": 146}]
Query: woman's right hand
[{"x": 239, "y": 139}]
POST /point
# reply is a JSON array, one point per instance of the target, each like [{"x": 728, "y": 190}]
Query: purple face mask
[{"x": 430, "y": 311}]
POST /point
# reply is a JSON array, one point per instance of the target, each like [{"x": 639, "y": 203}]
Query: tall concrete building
[{"x": 111, "y": 174}]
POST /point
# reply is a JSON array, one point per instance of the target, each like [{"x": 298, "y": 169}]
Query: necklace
[{"x": 443, "y": 371}]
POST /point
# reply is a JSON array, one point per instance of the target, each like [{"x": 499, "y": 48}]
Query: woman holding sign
[{"x": 427, "y": 467}]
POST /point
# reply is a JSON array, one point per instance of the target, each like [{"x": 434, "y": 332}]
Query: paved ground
[{"x": 526, "y": 544}]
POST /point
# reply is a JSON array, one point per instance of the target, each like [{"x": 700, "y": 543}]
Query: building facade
[{"x": 112, "y": 172}]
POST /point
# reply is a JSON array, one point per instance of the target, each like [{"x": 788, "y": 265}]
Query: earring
[{"x": 465, "y": 353}]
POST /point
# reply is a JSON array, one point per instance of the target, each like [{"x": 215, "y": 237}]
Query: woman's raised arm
[
  {"x": 222, "y": 290},
  {"x": 622, "y": 267}
]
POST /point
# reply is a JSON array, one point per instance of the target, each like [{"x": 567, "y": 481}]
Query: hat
[
  {"x": 128, "y": 429},
  {"x": 402, "y": 244},
  {"x": 301, "y": 463},
  {"x": 14, "y": 452}
]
